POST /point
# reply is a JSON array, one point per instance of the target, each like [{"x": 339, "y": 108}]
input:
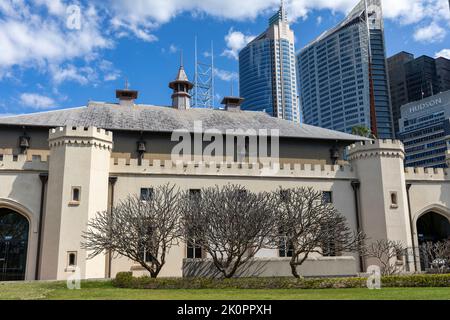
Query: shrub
[{"x": 126, "y": 280}]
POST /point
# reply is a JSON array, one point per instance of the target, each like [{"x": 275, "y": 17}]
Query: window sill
[
  {"x": 74, "y": 204},
  {"x": 70, "y": 269},
  {"x": 394, "y": 206}
]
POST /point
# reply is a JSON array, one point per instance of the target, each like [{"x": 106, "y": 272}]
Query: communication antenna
[{"x": 204, "y": 81}]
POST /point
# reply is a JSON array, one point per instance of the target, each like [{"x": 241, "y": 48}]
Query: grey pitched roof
[{"x": 166, "y": 119}]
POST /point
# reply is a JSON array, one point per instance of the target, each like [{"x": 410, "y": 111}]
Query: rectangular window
[
  {"x": 75, "y": 197},
  {"x": 194, "y": 250},
  {"x": 394, "y": 200},
  {"x": 146, "y": 255},
  {"x": 286, "y": 249},
  {"x": 327, "y": 197},
  {"x": 72, "y": 259},
  {"x": 146, "y": 194}
]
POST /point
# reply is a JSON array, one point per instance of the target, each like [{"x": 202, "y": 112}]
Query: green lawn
[{"x": 105, "y": 291}]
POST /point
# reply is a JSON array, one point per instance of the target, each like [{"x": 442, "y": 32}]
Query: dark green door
[{"x": 13, "y": 245}]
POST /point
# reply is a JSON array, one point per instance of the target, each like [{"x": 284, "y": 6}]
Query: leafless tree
[
  {"x": 387, "y": 253},
  {"x": 437, "y": 255},
  {"x": 230, "y": 223},
  {"x": 309, "y": 225},
  {"x": 142, "y": 230}
]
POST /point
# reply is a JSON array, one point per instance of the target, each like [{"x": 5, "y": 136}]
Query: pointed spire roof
[{"x": 182, "y": 76}]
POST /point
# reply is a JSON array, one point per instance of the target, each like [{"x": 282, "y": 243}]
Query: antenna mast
[{"x": 204, "y": 81}]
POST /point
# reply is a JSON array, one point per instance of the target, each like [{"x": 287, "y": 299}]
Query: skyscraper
[
  {"x": 413, "y": 79},
  {"x": 443, "y": 73},
  {"x": 398, "y": 84},
  {"x": 343, "y": 80},
  {"x": 267, "y": 72}
]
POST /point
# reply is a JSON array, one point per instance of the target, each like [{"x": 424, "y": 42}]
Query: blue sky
[{"x": 50, "y": 59}]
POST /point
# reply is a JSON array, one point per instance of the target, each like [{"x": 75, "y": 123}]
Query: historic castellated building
[{"x": 59, "y": 168}]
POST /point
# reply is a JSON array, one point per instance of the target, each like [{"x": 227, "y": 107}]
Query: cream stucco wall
[{"x": 84, "y": 158}]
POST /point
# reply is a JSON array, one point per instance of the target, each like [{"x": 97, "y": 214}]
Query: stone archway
[
  {"x": 433, "y": 226},
  {"x": 14, "y": 238}
]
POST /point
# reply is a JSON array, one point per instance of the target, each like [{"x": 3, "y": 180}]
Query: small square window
[{"x": 146, "y": 194}]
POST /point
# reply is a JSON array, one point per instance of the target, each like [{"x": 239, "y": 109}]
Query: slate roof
[{"x": 165, "y": 119}]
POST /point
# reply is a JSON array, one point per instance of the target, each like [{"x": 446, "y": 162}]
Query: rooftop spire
[
  {"x": 280, "y": 15},
  {"x": 181, "y": 58},
  {"x": 181, "y": 99}
]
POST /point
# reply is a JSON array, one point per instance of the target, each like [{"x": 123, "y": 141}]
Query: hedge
[{"x": 126, "y": 280}]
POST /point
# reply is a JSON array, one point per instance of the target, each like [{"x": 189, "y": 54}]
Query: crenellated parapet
[
  {"x": 23, "y": 162},
  {"x": 427, "y": 174},
  {"x": 82, "y": 136},
  {"x": 168, "y": 167},
  {"x": 376, "y": 148}
]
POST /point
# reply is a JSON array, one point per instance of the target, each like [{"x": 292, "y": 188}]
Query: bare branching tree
[
  {"x": 142, "y": 230},
  {"x": 386, "y": 253},
  {"x": 310, "y": 225},
  {"x": 436, "y": 255},
  {"x": 230, "y": 223}
]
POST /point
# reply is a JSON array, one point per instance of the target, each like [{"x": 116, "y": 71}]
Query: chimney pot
[{"x": 232, "y": 104}]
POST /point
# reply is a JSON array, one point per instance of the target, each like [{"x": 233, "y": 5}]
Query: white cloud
[
  {"x": 33, "y": 33},
  {"x": 225, "y": 75},
  {"x": 27, "y": 37},
  {"x": 83, "y": 75},
  {"x": 235, "y": 41},
  {"x": 33, "y": 38},
  {"x": 430, "y": 34},
  {"x": 445, "y": 53},
  {"x": 319, "y": 20},
  {"x": 36, "y": 101},
  {"x": 173, "y": 48}
]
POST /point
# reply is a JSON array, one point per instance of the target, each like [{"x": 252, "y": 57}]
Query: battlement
[
  {"x": 427, "y": 174},
  {"x": 168, "y": 167},
  {"x": 23, "y": 162},
  {"x": 384, "y": 147},
  {"x": 80, "y": 135}
]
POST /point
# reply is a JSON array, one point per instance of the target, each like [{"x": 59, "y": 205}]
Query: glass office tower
[
  {"x": 343, "y": 80},
  {"x": 267, "y": 73}
]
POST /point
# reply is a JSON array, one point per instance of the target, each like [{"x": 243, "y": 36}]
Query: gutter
[
  {"x": 44, "y": 180},
  {"x": 112, "y": 182},
  {"x": 356, "y": 185},
  {"x": 411, "y": 228}
]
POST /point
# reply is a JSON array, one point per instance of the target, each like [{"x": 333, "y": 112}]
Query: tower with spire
[{"x": 181, "y": 86}]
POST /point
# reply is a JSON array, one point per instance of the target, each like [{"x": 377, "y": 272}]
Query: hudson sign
[{"x": 425, "y": 105}]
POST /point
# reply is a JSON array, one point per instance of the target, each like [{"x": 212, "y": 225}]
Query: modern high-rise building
[
  {"x": 425, "y": 131},
  {"x": 267, "y": 73},
  {"x": 398, "y": 84},
  {"x": 343, "y": 80},
  {"x": 443, "y": 72},
  {"x": 413, "y": 79},
  {"x": 422, "y": 79}
]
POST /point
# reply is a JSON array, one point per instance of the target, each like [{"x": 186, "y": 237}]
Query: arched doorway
[
  {"x": 432, "y": 227},
  {"x": 14, "y": 230}
]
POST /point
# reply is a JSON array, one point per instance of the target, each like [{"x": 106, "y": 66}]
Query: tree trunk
[{"x": 294, "y": 269}]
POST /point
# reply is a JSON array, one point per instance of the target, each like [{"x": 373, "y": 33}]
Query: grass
[{"x": 103, "y": 290}]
